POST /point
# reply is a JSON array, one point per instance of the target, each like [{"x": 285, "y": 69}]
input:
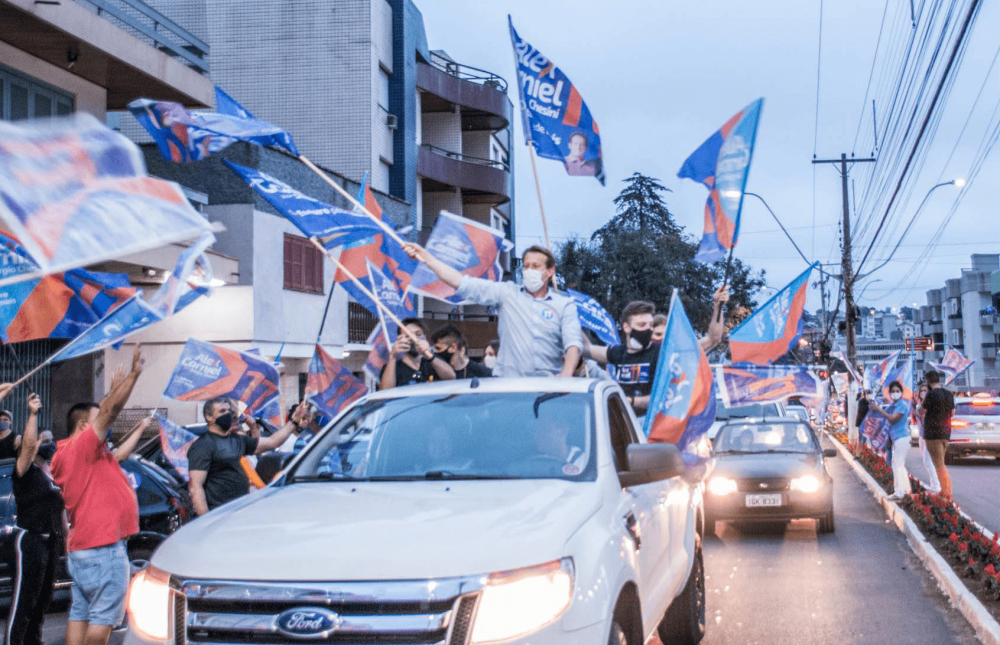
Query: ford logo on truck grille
[{"x": 307, "y": 623}]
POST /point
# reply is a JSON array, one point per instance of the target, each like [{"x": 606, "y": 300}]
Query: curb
[{"x": 987, "y": 628}]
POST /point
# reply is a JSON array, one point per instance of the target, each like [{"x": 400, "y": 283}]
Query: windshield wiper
[
  {"x": 322, "y": 477},
  {"x": 789, "y": 452},
  {"x": 447, "y": 474}
]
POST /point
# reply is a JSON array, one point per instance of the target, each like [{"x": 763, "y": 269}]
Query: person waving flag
[
  {"x": 774, "y": 328},
  {"x": 953, "y": 364},
  {"x": 722, "y": 164}
]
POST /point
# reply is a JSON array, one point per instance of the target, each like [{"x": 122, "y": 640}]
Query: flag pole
[
  {"x": 354, "y": 202},
  {"x": 31, "y": 373},
  {"x": 538, "y": 190},
  {"x": 392, "y": 316}
]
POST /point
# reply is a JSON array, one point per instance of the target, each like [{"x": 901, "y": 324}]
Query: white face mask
[
  {"x": 895, "y": 396},
  {"x": 490, "y": 361},
  {"x": 533, "y": 279}
]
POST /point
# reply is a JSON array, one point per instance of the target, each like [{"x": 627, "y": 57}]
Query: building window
[
  {"x": 21, "y": 97},
  {"x": 383, "y": 88},
  {"x": 303, "y": 265},
  {"x": 955, "y": 339},
  {"x": 382, "y": 176}
]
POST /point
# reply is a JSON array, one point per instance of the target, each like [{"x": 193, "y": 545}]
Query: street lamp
[{"x": 958, "y": 182}]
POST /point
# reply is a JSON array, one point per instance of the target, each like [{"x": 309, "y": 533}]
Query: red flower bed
[{"x": 973, "y": 557}]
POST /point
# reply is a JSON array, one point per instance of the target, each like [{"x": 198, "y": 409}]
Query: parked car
[
  {"x": 497, "y": 510},
  {"x": 975, "y": 428},
  {"x": 769, "y": 469},
  {"x": 800, "y": 412},
  {"x": 757, "y": 410},
  {"x": 163, "y": 508}
]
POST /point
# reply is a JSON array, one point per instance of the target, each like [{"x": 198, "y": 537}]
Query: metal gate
[{"x": 15, "y": 361}]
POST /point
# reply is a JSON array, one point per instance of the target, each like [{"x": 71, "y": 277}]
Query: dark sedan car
[{"x": 769, "y": 469}]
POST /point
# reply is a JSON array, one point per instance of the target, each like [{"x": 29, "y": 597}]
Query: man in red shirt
[{"x": 103, "y": 513}]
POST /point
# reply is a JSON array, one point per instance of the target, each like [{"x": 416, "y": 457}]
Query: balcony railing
[
  {"x": 360, "y": 323},
  {"x": 149, "y": 25},
  {"x": 469, "y": 73},
  {"x": 492, "y": 163},
  {"x": 988, "y": 318}
]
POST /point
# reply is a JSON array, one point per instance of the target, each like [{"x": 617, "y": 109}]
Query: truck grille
[
  {"x": 438, "y": 612},
  {"x": 762, "y": 484}
]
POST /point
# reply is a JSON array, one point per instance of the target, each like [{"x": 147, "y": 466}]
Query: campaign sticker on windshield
[{"x": 571, "y": 470}]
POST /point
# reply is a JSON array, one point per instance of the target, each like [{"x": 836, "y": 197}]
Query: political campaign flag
[
  {"x": 876, "y": 373},
  {"x": 554, "y": 117},
  {"x": 183, "y": 136},
  {"x": 130, "y": 317},
  {"x": 205, "y": 371},
  {"x": 874, "y": 431},
  {"x": 840, "y": 356},
  {"x": 840, "y": 382},
  {"x": 722, "y": 163},
  {"x": 904, "y": 373},
  {"x": 748, "y": 384},
  {"x": 595, "y": 318},
  {"x": 330, "y": 386},
  {"x": 225, "y": 104},
  {"x": 682, "y": 401},
  {"x": 378, "y": 357},
  {"x": 74, "y": 193},
  {"x": 774, "y": 328},
  {"x": 470, "y": 248},
  {"x": 952, "y": 366},
  {"x": 61, "y": 305},
  {"x": 389, "y": 295},
  {"x": 366, "y": 197},
  {"x": 332, "y": 226},
  {"x": 175, "y": 442},
  {"x": 190, "y": 279}
]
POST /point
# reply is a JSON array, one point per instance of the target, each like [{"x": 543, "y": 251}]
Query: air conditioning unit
[{"x": 391, "y": 121}]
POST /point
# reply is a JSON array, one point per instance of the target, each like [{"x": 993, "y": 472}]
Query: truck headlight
[
  {"x": 149, "y": 604},
  {"x": 721, "y": 486},
  {"x": 520, "y": 602},
  {"x": 806, "y": 484}
]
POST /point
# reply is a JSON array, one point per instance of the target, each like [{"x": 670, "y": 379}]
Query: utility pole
[{"x": 847, "y": 277}]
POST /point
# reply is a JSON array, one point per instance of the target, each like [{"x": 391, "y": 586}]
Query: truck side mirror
[
  {"x": 830, "y": 452},
  {"x": 651, "y": 462}
]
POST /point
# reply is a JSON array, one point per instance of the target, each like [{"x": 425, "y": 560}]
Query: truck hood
[{"x": 340, "y": 531}]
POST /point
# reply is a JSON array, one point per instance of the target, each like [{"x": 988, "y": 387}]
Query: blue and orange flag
[
  {"x": 682, "y": 402},
  {"x": 953, "y": 364},
  {"x": 330, "y": 386},
  {"x": 75, "y": 193},
  {"x": 840, "y": 356},
  {"x": 366, "y": 197},
  {"x": 774, "y": 328},
  {"x": 554, "y": 117},
  {"x": 61, "y": 305},
  {"x": 904, "y": 373},
  {"x": 471, "y": 248},
  {"x": 206, "y": 371},
  {"x": 183, "y": 136},
  {"x": 722, "y": 164},
  {"x": 876, "y": 373},
  {"x": 175, "y": 442},
  {"x": 750, "y": 384},
  {"x": 378, "y": 357},
  {"x": 390, "y": 297}
]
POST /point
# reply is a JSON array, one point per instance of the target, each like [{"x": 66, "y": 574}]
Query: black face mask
[
  {"x": 225, "y": 422},
  {"x": 446, "y": 356},
  {"x": 46, "y": 451},
  {"x": 644, "y": 337},
  {"x": 413, "y": 351}
]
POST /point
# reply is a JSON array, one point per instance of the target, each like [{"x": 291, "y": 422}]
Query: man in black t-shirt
[
  {"x": 9, "y": 440},
  {"x": 38, "y": 536},
  {"x": 414, "y": 363},
  {"x": 633, "y": 363},
  {"x": 937, "y": 409},
  {"x": 214, "y": 467},
  {"x": 450, "y": 344}
]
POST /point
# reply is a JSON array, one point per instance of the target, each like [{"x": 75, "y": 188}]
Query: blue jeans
[{"x": 100, "y": 584}]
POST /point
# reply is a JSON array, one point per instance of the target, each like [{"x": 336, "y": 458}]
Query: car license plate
[{"x": 763, "y": 499}]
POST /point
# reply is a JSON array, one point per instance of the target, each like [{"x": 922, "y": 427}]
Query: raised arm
[
  {"x": 117, "y": 397},
  {"x": 717, "y": 328},
  {"x": 131, "y": 440},
  {"x": 301, "y": 417},
  {"x": 449, "y": 275},
  {"x": 29, "y": 444}
]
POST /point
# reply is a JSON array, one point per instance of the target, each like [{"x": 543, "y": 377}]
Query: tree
[{"x": 643, "y": 254}]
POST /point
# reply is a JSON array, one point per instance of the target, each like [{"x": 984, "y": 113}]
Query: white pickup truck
[{"x": 483, "y": 511}]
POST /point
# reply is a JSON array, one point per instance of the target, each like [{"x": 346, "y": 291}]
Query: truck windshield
[{"x": 522, "y": 435}]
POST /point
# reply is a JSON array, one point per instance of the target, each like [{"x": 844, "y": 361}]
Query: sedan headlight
[
  {"x": 520, "y": 602},
  {"x": 149, "y": 604},
  {"x": 806, "y": 484},
  {"x": 721, "y": 486}
]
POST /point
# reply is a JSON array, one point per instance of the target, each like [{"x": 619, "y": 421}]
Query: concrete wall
[
  {"x": 87, "y": 97},
  {"x": 443, "y": 129},
  {"x": 436, "y": 202},
  {"x": 381, "y": 57}
]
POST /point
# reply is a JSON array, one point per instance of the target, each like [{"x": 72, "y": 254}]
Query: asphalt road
[
  {"x": 776, "y": 584},
  {"x": 974, "y": 483}
]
